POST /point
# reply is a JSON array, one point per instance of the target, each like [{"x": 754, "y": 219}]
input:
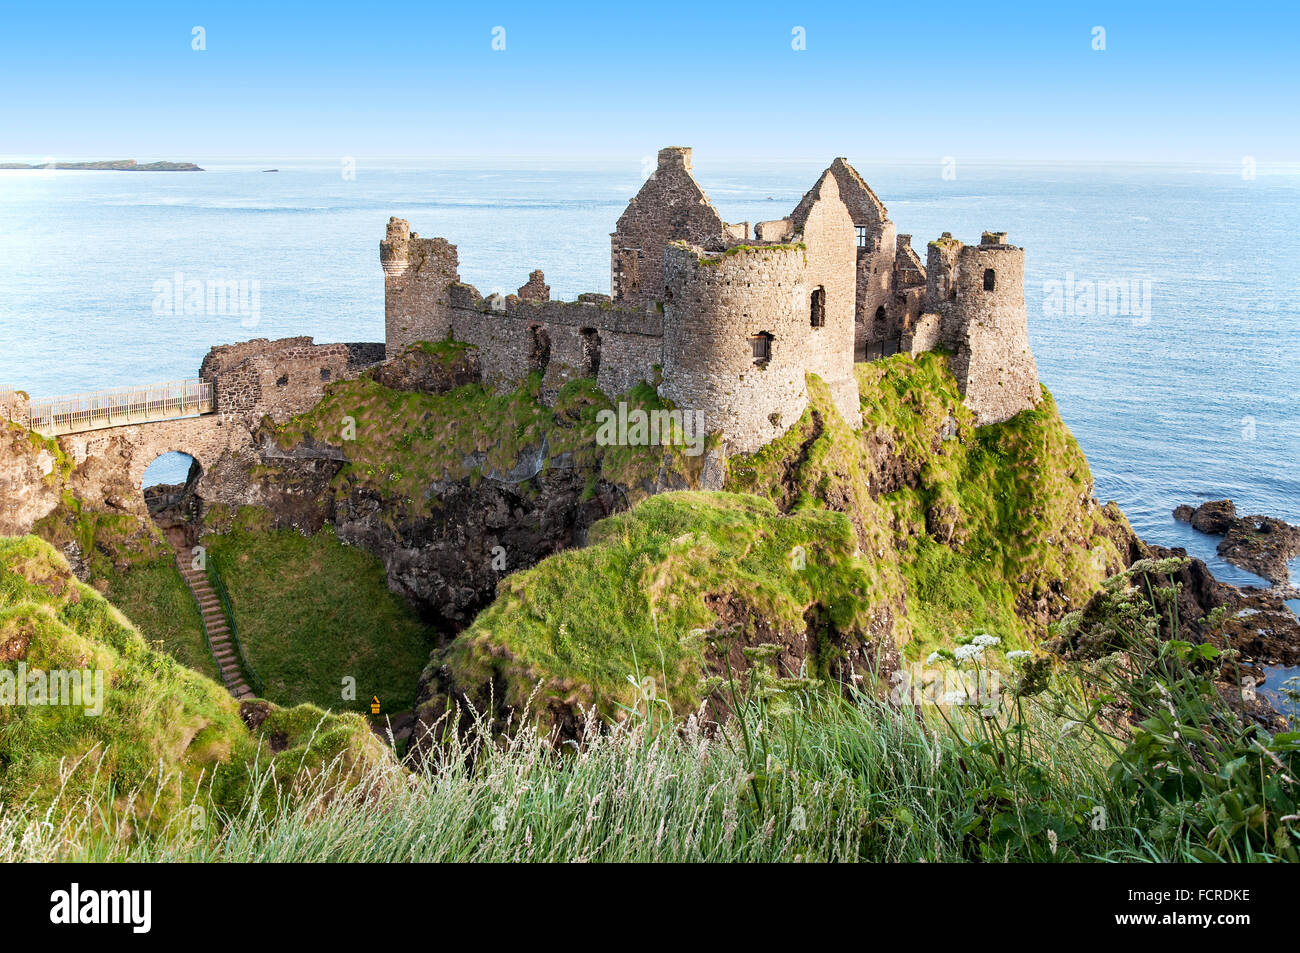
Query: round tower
[
  {"x": 737, "y": 339},
  {"x": 992, "y": 360}
]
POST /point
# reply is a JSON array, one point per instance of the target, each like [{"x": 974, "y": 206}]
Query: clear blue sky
[{"x": 1177, "y": 81}]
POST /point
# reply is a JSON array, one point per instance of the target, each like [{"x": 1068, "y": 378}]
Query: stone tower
[
  {"x": 978, "y": 293},
  {"x": 417, "y": 273}
]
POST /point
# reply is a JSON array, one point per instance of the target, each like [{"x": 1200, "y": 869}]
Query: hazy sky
[{"x": 1178, "y": 81}]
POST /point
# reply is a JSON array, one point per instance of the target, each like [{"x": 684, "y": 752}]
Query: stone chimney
[{"x": 675, "y": 156}]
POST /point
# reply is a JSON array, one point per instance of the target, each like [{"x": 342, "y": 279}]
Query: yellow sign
[{"x": 374, "y": 704}]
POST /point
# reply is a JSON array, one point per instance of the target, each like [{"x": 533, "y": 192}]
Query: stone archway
[
  {"x": 169, "y": 491},
  {"x": 111, "y": 463}
]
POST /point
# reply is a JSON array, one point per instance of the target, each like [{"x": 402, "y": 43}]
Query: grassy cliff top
[{"x": 663, "y": 593}]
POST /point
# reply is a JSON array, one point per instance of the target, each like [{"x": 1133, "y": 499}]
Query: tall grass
[
  {"x": 1132, "y": 755},
  {"x": 823, "y": 780}
]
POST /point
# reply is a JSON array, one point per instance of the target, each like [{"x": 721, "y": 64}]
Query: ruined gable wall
[
  {"x": 670, "y": 207},
  {"x": 875, "y": 258},
  {"x": 830, "y": 257}
]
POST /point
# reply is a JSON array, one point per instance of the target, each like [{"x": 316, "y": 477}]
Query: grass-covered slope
[
  {"x": 127, "y": 560},
  {"x": 994, "y": 528},
  {"x": 161, "y": 728},
  {"x": 312, "y": 612},
  {"x": 919, "y": 530},
  {"x": 659, "y": 601}
]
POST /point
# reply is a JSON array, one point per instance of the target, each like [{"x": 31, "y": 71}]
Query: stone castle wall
[
  {"x": 281, "y": 378},
  {"x": 517, "y": 335},
  {"x": 689, "y": 291}
]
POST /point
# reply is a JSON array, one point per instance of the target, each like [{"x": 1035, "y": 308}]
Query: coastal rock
[
  {"x": 1258, "y": 544},
  {"x": 1256, "y": 622}
]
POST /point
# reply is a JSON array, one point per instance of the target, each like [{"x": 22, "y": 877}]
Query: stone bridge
[
  {"x": 128, "y": 450},
  {"x": 113, "y": 436}
]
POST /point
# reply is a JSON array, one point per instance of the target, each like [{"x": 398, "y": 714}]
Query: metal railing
[
  {"x": 214, "y": 576},
  {"x": 124, "y": 405}
]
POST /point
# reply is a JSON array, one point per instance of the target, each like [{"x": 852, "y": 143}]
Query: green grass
[
  {"x": 835, "y": 781},
  {"x": 311, "y": 611},
  {"x": 591, "y": 624},
  {"x": 989, "y": 530},
  {"x": 163, "y": 729},
  {"x": 404, "y": 441},
  {"x": 152, "y": 594},
  {"x": 128, "y": 561}
]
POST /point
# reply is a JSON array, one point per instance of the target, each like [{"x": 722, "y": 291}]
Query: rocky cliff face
[
  {"x": 32, "y": 472},
  {"x": 408, "y": 463}
]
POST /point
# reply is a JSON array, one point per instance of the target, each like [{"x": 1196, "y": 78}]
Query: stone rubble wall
[
  {"x": 281, "y": 378},
  {"x": 13, "y": 406}
]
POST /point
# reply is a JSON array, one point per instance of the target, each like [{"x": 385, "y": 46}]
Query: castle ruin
[{"x": 728, "y": 320}]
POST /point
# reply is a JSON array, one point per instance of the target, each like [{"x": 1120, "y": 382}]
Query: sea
[{"x": 1163, "y": 299}]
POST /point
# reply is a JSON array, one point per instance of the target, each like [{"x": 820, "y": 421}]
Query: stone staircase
[{"x": 218, "y": 629}]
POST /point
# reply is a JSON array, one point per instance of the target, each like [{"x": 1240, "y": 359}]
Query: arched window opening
[
  {"x": 761, "y": 346},
  {"x": 988, "y": 279},
  {"x": 880, "y": 313},
  {"x": 818, "y": 308}
]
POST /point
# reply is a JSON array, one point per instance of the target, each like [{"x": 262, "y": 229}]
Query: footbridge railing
[{"x": 116, "y": 408}]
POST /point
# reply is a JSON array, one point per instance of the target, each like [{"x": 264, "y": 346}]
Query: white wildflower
[
  {"x": 1018, "y": 654},
  {"x": 984, "y": 640}
]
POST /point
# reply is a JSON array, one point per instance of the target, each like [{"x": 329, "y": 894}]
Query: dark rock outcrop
[
  {"x": 419, "y": 370},
  {"x": 1258, "y": 544}
]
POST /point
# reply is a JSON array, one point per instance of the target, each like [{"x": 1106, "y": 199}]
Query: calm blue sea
[{"x": 1194, "y": 396}]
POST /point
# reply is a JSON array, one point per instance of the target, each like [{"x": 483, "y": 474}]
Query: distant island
[{"x": 112, "y": 165}]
